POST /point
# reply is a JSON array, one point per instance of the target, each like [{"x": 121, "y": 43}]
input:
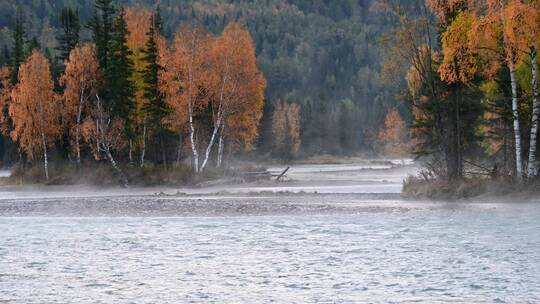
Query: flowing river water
[{"x": 204, "y": 246}]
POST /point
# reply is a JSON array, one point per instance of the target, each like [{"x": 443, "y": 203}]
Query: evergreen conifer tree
[
  {"x": 154, "y": 106},
  {"x": 119, "y": 71},
  {"x": 18, "y": 53},
  {"x": 101, "y": 26},
  {"x": 69, "y": 35},
  {"x": 158, "y": 21},
  {"x": 32, "y": 45}
]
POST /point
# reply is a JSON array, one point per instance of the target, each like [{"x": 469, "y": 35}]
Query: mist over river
[{"x": 267, "y": 246}]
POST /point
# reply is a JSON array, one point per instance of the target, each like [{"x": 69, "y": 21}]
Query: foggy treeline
[{"x": 322, "y": 57}]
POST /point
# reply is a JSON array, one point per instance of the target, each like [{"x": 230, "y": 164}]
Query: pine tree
[
  {"x": 154, "y": 106},
  {"x": 32, "y": 44},
  {"x": 101, "y": 26},
  {"x": 158, "y": 21},
  {"x": 69, "y": 35},
  {"x": 18, "y": 54},
  {"x": 119, "y": 71}
]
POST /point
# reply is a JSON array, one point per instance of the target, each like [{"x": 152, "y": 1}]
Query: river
[{"x": 266, "y": 247}]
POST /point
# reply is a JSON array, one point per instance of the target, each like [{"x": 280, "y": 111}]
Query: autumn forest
[
  {"x": 139, "y": 84},
  {"x": 128, "y": 92}
]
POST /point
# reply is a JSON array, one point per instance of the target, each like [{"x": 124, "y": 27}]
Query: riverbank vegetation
[
  {"x": 137, "y": 82},
  {"x": 140, "y": 84},
  {"x": 471, "y": 70},
  {"x": 125, "y": 94}
]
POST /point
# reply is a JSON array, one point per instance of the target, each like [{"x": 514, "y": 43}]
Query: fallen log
[{"x": 282, "y": 174}]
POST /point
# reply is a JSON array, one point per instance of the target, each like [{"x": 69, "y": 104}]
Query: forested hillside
[{"x": 323, "y": 55}]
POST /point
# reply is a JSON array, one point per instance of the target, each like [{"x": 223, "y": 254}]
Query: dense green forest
[{"x": 322, "y": 55}]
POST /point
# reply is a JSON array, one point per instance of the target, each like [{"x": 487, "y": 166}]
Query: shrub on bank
[
  {"x": 419, "y": 187},
  {"x": 100, "y": 174}
]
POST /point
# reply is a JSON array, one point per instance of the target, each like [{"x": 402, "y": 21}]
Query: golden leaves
[
  {"x": 219, "y": 73},
  {"x": 34, "y": 109},
  {"x": 394, "y": 137},
  {"x": 459, "y": 60},
  {"x": 286, "y": 128}
]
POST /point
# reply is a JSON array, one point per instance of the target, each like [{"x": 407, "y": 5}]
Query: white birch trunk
[
  {"x": 78, "y": 128},
  {"x": 517, "y": 134},
  {"x": 532, "y": 164},
  {"x": 211, "y": 143},
  {"x": 109, "y": 156},
  {"x": 217, "y": 123},
  {"x": 43, "y": 141},
  {"x": 45, "y": 157},
  {"x": 194, "y": 152},
  {"x": 221, "y": 146}
]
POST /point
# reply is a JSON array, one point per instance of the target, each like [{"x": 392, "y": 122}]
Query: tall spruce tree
[
  {"x": 18, "y": 53},
  {"x": 119, "y": 71},
  {"x": 101, "y": 26},
  {"x": 158, "y": 21},
  {"x": 31, "y": 45},
  {"x": 69, "y": 34},
  {"x": 154, "y": 107}
]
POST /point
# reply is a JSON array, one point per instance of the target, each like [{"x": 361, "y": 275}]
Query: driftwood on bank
[{"x": 282, "y": 174}]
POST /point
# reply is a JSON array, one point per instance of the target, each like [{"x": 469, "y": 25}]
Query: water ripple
[{"x": 423, "y": 256}]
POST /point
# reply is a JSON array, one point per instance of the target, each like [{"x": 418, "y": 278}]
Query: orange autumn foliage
[
  {"x": 138, "y": 20},
  {"x": 486, "y": 38},
  {"x": 185, "y": 72},
  {"x": 34, "y": 109},
  {"x": 5, "y": 99},
  {"x": 459, "y": 59},
  {"x": 522, "y": 25},
  {"x": 80, "y": 82},
  {"x": 286, "y": 129},
  {"x": 444, "y": 8},
  {"x": 506, "y": 30},
  {"x": 238, "y": 83},
  {"x": 394, "y": 136}
]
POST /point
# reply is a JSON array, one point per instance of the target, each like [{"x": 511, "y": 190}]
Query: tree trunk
[
  {"x": 458, "y": 138},
  {"x": 532, "y": 165},
  {"x": 515, "y": 111},
  {"x": 194, "y": 152},
  {"x": 220, "y": 149},
  {"x": 130, "y": 154},
  {"x": 212, "y": 141},
  {"x": 45, "y": 157},
  {"x": 163, "y": 151},
  {"x": 43, "y": 141},
  {"x": 78, "y": 129},
  {"x": 143, "y": 152},
  {"x": 217, "y": 125},
  {"x": 115, "y": 166}
]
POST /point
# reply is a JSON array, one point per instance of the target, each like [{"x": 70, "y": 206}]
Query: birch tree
[
  {"x": 80, "y": 83},
  {"x": 104, "y": 134},
  {"x": 235, "y": 82},
  {"x": 34, "y": 109},
  {"x": 184, "y": 75},
  {"x": 522, "y": 28},
  {"x": 494, "y": 38}
]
